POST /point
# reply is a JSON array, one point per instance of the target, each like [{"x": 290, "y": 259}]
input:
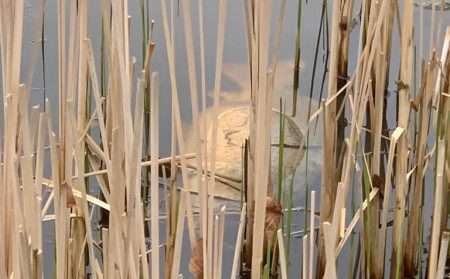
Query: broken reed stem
[
  {"x": 239, "y": 239},
  {"x": 402, "y": 149}
]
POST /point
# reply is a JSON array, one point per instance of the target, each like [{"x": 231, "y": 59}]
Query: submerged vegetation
[{"x": 90, "y": 163}]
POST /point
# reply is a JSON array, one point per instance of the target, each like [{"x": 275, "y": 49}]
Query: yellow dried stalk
[{"x": 405, "y": 85}]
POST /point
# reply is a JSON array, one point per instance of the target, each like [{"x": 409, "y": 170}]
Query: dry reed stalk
[
  {"x": 3, "y": 251},
  {"x": 217, "y": 87},
  {"x": 61, "y": 15},
  {"x": 415, "y": 215},
  {"x": 437, "y": 210},
  {"x": 143, "y": 264},
  {"x": 179, "y": 236},
  {"x": 75, "y": 193},
  {"x": 282, "y": 255},
  {"x": 357, "y": 106},
  {"x": 105, "y": 250},
  {"x": 154, "y": 153},
  {"x": 26, "y": 170},
  {"x": 259, "y": 123},
  {"x": 176, "y": 113},
  {"x": 387, "y": 192},
  {"x": 18, "y": 227},
  {"x": 82, "y": 205},
  {"x": 328, "y": 101},
  {"x": 82, "y": 73},
  {"x": 276, "y": 51},
  {"x": 121, "y": 182},
  {"x": 137, "y": 240},
  {"x": 329, "y": 173},
  {"x": 342, "y": 224},
  {"x": 305, "y": 259},
  {"x": 11, "y": 15},
  {"x": 203, "y": 137},
  {"x": 200, "y": 181},
  {"x": 311, "y": 235},
  {"x": 3, "y": 43},
  {"x": 345, "y": 25},
  {"x": 440, "y": 84},
  {"x": 160, "y": 161},
  {"x": 239, "y": 239},
  {"x": 38, "y": 174},
  {"x": 253, "y": 70},
  {"x": 358, "y": 214},
  {"x": 72, "y": 122},
  {"x": 221, "y": 230},
  {"x": 60, "y": 206},
  {"x": 98, "y": 102},
  {"x": 443, "y": 251},
  {"x": 330, "y": 271},
  {"x": 16, "y": 45},
  {"x": 432, "y": 39},
  {"x": 445, "y": 132},
  {"x": 377, "y": 122},
  {"x": 202, "y": 68},
  {"x": 402, "y": 149},
  {"x": 20, "y": 255},
  {"x": 215, "y": 253},
  {"x": 115, "y": 262},
  {"x": 203, "y": 132}
]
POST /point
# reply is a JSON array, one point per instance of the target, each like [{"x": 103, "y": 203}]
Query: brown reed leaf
[
  {"x": 274, "y": 213},
  {"x": 70, "y": 199},
  {"x": 196, "y": 261}
]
